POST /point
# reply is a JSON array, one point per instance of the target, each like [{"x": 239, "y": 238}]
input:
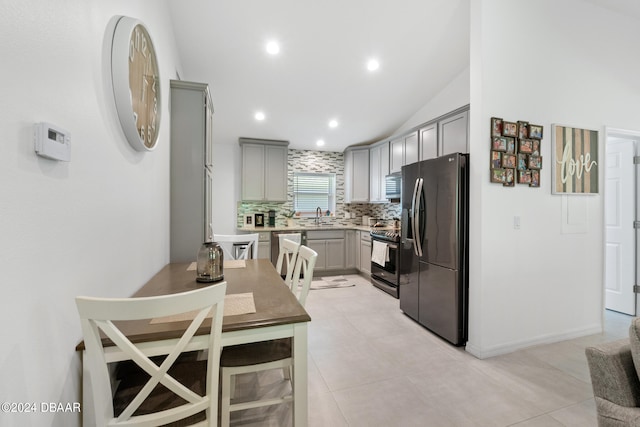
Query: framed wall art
[
  {"x": 515, "y": 152},
  {"x": 575, "y": 162},
  {"x": 498, "y": 175},
  {"x": 535, "y": 162},
  {"x": 523, "y": 130},
  {"x": 496, "y": 126},
  {"x": 535, "y": 178},
  {"x": 525, "y": 146},
  {"x": 509, "y": 177},
  {"x": 524, "y": 177},
  {"x": 510, "y": 129},
  {"x": 496, "y": 160},
  {"x": 535, "y": 131},
  {"x": 499, "y": 143},
  {"x": 509, "y": 161}
]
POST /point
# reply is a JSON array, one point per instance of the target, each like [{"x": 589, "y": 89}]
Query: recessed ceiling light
[
  {"x": 320, "y": 143},
  {"x": 333, "y": 123},
  {"x": 273, "y": 48},
  {"x": 373, "y": 65},
  {"x": 259, "y": 116}
]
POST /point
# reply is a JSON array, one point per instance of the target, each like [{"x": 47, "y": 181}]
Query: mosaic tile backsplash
[{"x": 321, "y": 162}]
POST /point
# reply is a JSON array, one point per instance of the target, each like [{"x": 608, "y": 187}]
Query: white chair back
[
  {"x": 98, "y": 314},
  {"x": 303, "y": 273},
  {"x": 287, "y": 258},
  {"x": 227, "y": 241}
]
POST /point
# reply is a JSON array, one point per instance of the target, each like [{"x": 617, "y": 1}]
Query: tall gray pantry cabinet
[{"x": 191, "y": 169}]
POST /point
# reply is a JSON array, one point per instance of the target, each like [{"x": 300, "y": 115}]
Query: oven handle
[{"x": 391, "y": 245}]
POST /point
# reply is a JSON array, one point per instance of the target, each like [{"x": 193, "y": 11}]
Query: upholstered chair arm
[{"x": 613, "y": 374}]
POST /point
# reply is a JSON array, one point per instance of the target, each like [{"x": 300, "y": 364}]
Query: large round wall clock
[{"x": 136, "y": 83}]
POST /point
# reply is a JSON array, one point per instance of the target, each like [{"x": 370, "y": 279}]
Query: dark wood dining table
[{"x": 278, "y": 314}]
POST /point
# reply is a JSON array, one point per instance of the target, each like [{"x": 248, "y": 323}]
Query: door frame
[{"x": 610, "y": 132}]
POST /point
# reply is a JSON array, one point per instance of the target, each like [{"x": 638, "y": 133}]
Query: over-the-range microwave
[{"x": 393, "y": 186}]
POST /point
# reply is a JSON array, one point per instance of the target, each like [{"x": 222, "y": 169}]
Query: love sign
[{"x": 575, "y": 160}]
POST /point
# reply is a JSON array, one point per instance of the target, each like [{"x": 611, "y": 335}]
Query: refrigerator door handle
[
  {"x": 412, "y": 216},
  {"x": 416, "y": 218}
]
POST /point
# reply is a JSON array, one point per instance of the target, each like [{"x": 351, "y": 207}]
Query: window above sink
[{"x": 312, "y": 190}]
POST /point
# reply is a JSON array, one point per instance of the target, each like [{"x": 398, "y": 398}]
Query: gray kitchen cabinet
[
  {"x": 357, "y": 254},
  {"x": 335, "y": 258},
  {"x": 276, "y": 167},
  {"x": 397, "y": 155},
  {"x": 320, "y": 247},
  {"x": 252, "y": 172},
  {"x": 446, "y": 135},
  {"x": 365, "y": 252},
  {"x": 378, "y": 169},
  {"x": 264, "y": 170},
  {"x": 356, "y": 175},
  {"x": 264, "y": 245},
  {"x": 429, "y": 141},
  {"x": 404, "y": 151},
  {"x": 453, "y": 134},
  {"x": 350, "y": 244},
  {"x": 330, "y": 246},
  {"x": 191, "y": 188}
]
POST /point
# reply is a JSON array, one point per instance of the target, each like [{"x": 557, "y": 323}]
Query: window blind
[{"x": 313, "y": 190}]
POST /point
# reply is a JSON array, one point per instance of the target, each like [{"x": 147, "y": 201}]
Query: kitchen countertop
[{"x": 312, "y": 227}]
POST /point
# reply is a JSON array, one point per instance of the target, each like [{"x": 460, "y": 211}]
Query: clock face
[
  {"x": 136, "y": 83},
  {"x": 143, "y": 83}
]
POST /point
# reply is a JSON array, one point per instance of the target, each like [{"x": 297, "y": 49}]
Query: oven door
[{"x": 387, "y": 272}]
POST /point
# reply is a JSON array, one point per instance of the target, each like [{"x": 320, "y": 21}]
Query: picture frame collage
[{"x": 515, "y": 153}]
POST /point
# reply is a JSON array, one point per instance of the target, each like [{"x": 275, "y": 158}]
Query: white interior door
[{"x": 620, "y": 208}]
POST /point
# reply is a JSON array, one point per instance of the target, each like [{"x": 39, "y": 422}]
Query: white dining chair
[
  {"x": 287, "y": 256},
  {"x": 227, "y": 242},
  {"x": 265, "y": 355},
  {"x": 189, "y": 393}
]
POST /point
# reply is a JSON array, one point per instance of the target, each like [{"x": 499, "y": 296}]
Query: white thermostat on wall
[{"x": 52, "y": 142}]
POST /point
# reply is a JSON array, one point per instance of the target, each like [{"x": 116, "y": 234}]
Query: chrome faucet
[{"x": 318, "y": 213}]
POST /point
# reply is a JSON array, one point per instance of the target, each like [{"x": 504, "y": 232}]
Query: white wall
[
  {"x": 452, "y": 96},
  {"x": 547, "y": 62},
  {"x": 95, "y": 226}
]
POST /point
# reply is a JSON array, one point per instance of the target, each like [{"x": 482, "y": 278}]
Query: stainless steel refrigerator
[{"x": 434, "y": 259}]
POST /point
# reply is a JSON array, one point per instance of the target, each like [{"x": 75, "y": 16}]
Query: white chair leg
[{"x": 286, "y": 372}]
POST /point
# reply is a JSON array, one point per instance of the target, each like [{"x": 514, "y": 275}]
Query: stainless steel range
[{"x": 385, "y": 274}]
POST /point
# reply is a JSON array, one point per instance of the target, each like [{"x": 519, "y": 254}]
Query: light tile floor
[{"x": 370, "y": 365}]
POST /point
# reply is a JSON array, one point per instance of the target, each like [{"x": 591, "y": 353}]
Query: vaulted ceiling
[{"x": 320, "y": 73}]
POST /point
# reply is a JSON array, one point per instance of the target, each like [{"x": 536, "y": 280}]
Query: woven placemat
[{"x": 234, "y": 304}]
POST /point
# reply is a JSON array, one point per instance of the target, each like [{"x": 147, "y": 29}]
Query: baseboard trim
[{"x": 496, "y": 350}]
